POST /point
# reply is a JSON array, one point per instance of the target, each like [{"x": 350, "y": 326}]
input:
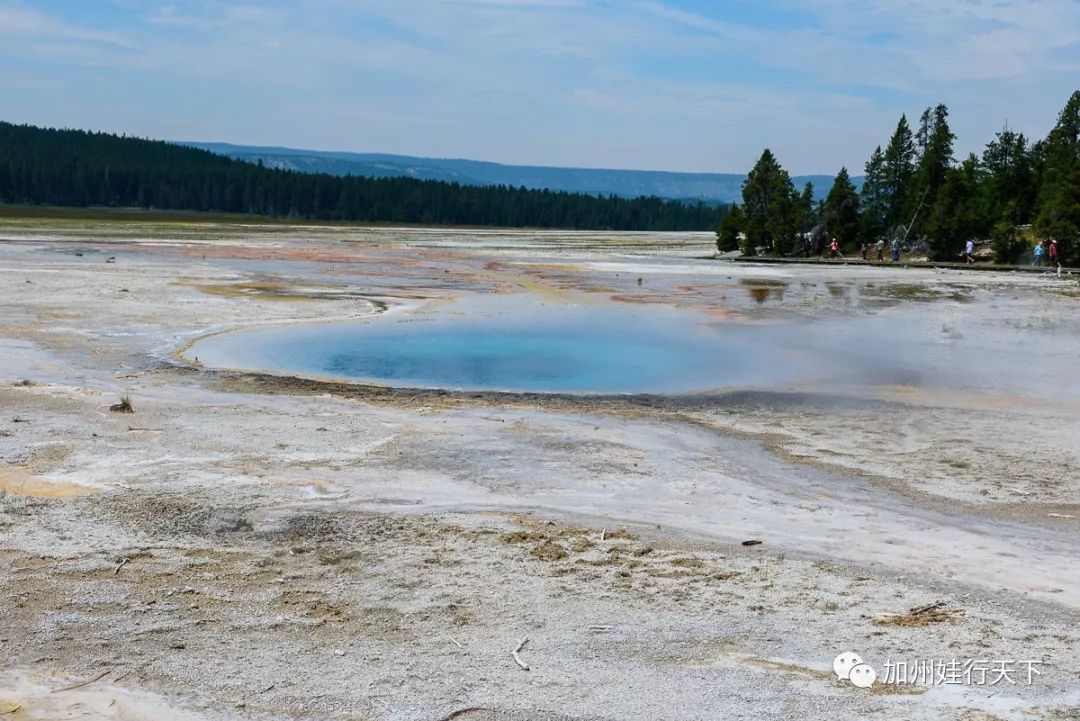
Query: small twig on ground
[
  {"x": 456, "y": 642},
  {"x": 10, "y": 710},
  {"x": 124, "y": 675},
  {"x": 147, "y": 430},
  {"x": 124, "y": 562},
  {"x": 87, "y": 682},
  {"x": 919, "y": 610},
  {"x": 462, "y": 712},
  {"x": 516, "y": 651},
  {"x": 603, "y": 533},
  {"x": 268, "y": 688}
]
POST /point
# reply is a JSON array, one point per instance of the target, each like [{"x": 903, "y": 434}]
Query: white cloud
[
  {"x": 15, "y": 20},
  {"x": 19, "y": 23}
]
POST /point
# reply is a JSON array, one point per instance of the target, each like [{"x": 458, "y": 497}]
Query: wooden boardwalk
[{"x": 996, "y": 267}]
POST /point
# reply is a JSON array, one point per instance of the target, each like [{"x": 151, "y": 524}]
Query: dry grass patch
[
  {"x": 549, "y": 550},
  {"x": 124, "y": 406},
  {"x": 920, "y": 616}
]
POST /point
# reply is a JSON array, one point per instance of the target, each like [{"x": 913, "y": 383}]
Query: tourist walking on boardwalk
[
  {"x": 1052, "y": 251},
  {"x": 896, "y": 250},
  {"x": 969, "y": 252},
  {"x": 1039, "y": 250},
  {"x": 880, "y": 249},
  {"x": 865, "y": 250},
  {"x": 834, "y": 249}
]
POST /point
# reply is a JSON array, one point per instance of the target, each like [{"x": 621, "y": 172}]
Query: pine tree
[
  {"x": 935, "y": 145},
  {"x": 1061, "y": 148},
  {"x": 954, "y": 217},
  {"x": 899, "y": 172},
  {"x": 874, "y": 197},
  {"x": 842, "y": 211},
  {"x": 727, "y": 235},
  {"x": 807, "y": 214},
  {"x": 1010, "y": 181},
  {"x": 1060, "y": 217},
  {"x": 1007, "y": 243},
  {"x": 1057, "y": 158},
  {"x": 769, "y": 207}
]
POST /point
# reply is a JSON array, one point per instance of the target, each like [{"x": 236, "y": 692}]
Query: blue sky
[{"x": 657, "y": 84}]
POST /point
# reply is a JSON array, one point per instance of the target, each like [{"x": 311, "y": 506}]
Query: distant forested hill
[
  {"x": 78, "y": 168},
  {"x": 710, "y": 187}
]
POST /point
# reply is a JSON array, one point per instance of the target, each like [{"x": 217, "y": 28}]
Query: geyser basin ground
[
  {"x": 512, "y": 343},
  {"x": 319, "y": 553}
]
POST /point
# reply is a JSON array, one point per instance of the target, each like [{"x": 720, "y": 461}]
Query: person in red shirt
[
  {"x": 1053, "y": 253},
  {"x": 834, "y": 249}
]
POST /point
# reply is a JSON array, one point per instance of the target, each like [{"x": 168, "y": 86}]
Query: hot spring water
[{"x": 509, "y": 344}]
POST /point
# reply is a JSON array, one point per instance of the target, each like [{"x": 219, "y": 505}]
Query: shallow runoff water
[{"x": 504, "y": 343}]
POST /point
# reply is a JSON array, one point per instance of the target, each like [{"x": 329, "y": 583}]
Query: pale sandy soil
[{"x": 252, "y": 548}]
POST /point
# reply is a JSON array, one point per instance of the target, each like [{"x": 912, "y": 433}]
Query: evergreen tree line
[
  {"x": 915, "y": 191},
  {"x": 78, "y": 168}
]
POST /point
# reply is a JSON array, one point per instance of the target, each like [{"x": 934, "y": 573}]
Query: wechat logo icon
[{"x": 849, "y": 666}]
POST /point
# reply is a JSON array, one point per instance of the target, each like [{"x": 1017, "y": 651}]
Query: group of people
[
  {"x": 1050, "y": 250},
  {"x": 1047, "y": 250},
  {"x": 879, "y": 246}
]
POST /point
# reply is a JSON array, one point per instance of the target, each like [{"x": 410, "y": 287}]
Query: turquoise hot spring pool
[{"x": 504, "y": 344}]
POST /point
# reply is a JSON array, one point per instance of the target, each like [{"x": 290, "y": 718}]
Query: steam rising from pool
[{"x": 519, "y": 344}]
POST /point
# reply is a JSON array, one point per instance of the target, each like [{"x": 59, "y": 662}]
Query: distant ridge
[
  {"x": 76, "y": 168},
  {"x": 708, "y": 187}
]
